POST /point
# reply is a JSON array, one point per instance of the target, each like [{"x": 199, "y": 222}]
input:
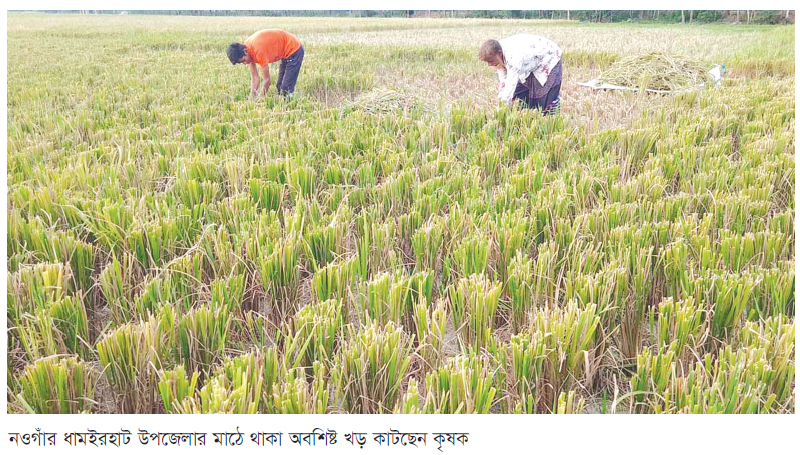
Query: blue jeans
[{"x": 288, "y": 72}]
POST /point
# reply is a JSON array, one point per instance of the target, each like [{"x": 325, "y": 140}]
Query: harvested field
[{"x": 391, "y": 239}]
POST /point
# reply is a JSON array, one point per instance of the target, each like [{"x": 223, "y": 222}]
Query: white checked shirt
[{"x": 526, "y": 54}]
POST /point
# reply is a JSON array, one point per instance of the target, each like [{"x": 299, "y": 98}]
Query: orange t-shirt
[{"x": 267, "y": 46}]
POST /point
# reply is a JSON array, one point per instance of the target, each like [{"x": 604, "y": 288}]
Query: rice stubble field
[{"x": 392, "y": 240}]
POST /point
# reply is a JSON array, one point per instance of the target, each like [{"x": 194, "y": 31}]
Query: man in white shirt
[{"x": 529, "y": 68}]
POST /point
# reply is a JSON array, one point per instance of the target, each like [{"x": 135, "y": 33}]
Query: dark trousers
[
  {"x": 534, "y": 96},
  {"x": 288, "y": 72}
]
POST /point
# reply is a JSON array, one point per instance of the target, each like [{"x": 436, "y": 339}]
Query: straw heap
[
  {"x": 655, "y": 71},
  {"x": 385, "y": 100}
]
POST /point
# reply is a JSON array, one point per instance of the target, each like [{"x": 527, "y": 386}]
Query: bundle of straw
[
  {"x": 655, "y": 71},
  {"x": 387, "y": 100}
]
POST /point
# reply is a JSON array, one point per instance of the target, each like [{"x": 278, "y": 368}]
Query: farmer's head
[
  {"x": 491, "y": 52},
  {"x": 237, "y": 53}
]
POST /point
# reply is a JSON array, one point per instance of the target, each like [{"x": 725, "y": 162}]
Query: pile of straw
[
  {"x": 656, "y": 71},
  {"x": 388, "y": 100}
]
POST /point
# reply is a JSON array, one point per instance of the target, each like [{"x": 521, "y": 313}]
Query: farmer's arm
[
  {"x": 509, "y": 85},
  {"x": 501, "y": 75},
  {"x": 255, "y": 80},
  {"x": 265, "y": 70}
]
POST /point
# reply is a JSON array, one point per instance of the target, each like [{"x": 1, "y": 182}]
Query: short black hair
[{"x": 236, "y": 52}]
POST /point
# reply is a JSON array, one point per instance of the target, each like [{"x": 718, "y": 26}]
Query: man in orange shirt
[{"x": 265, "y": 47}]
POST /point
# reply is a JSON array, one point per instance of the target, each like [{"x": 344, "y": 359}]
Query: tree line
[{"x": 663, "y": 16}]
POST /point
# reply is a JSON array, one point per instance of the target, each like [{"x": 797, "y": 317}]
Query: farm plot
[{"x": 174, "y": 247}]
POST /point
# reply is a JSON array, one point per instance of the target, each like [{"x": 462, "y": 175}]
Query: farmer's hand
[
  {"x": 265, "y": 87},
  {"x": 255, "y": 80}
]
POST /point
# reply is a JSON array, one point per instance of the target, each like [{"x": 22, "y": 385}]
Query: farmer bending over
[
  {"x": 529, "y": 68},
  {"x": 265, "y": 47}
]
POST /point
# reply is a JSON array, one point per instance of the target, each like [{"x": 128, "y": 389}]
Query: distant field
[{"x": 175, "y": 247}]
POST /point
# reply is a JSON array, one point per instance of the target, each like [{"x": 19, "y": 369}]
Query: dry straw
[
  {"x": 385, "y": 100},
  {"x": 656, "y": 71}
]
